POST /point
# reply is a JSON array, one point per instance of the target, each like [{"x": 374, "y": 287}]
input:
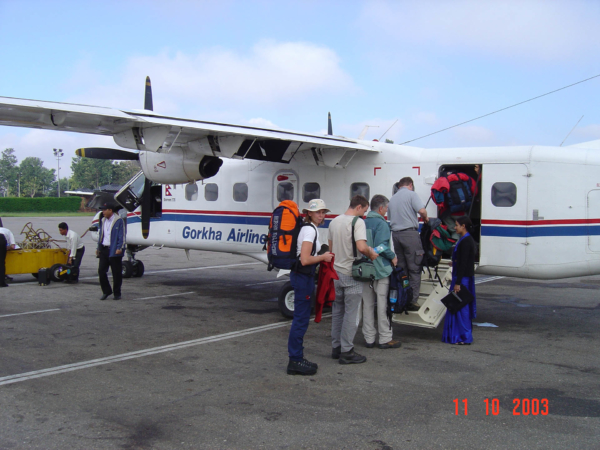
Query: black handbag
[{"x": 455, "y": 302}]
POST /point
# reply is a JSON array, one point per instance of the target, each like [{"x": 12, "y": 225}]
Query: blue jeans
[{"x": 304, "y": 286}]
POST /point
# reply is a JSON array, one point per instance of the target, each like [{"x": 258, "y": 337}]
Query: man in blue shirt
[{"x": 111, "y": 240}]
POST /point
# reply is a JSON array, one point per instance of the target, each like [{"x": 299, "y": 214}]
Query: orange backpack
[{"x": 282, "y": 239}]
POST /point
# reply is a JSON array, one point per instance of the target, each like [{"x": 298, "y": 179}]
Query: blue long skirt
[{"x": 458, "y": 327}]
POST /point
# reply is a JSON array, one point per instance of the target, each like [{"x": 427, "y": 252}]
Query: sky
[{"x": 425, "y": 65}]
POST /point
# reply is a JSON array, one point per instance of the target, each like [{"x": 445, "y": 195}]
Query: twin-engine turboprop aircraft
[{"x": 212, "y": 186}]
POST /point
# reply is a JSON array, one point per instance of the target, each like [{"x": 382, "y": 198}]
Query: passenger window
[
  {"x": 360, "y": 189},
  {"x": 310, "y": 191},
  {"x": 240, "y": 192},
  {"x": 211, "y": 192},
  {"x": 504, "y": 194},
  {"x": 191, "y": 192},
  {"x": 285, "y": 191}
]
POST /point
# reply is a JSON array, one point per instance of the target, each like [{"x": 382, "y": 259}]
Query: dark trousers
[
  {"x": 303, "y": 285},
  {"x": 2, "y": 259},
  {"x": 116, "y": 267},
  {"x": 77, "y": 262}
]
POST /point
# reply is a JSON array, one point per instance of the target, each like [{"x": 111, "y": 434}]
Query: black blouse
[{"x": 464, "y": 264}]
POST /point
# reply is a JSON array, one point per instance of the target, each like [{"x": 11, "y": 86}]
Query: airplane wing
[{"x": 148, "y": 131}]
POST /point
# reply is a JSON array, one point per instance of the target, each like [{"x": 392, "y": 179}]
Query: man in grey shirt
[{"x": 404, "y": 207}]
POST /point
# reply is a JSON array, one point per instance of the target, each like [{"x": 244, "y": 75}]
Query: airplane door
[
  {"x": 593, "y": 215},
  {"x": 285, "y": 187},
  {"x": 504, "y": 212}
]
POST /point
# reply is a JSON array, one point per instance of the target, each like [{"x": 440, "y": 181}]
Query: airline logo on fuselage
[{"x": 210, "y": 234}]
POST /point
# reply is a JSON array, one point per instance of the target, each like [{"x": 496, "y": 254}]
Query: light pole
[{"x": 58, "y": 153}]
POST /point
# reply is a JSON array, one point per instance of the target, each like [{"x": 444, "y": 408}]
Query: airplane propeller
[{"x": 107, "y": 153}]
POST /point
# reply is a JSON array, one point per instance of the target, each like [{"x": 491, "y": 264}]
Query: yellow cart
[{"x": 30, "y": 261}]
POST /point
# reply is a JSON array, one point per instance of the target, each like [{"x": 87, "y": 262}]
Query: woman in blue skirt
[{"x": 457, "y": 327}]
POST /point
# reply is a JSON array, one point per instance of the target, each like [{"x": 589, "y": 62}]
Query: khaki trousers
[{"x": 376, "y": 298}]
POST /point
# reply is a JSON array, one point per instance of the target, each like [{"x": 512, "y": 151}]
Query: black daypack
[
  {"x": 399, "y": 284},
  {"x": 432, "y": 256}
]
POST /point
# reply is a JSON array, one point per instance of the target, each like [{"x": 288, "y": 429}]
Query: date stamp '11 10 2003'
[{"x": 521, "y": 407}]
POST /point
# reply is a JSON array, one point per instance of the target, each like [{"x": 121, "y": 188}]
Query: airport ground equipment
[{"x": 36, "y": 251}]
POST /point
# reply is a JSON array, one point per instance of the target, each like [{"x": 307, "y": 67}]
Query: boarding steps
[{"x": 431, "y": 309}]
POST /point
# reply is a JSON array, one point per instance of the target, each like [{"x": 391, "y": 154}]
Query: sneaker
[
  {"x": 370, "y": 344},
  {"x": 311, "y": 364},
  {"x": 300, "y": 368},
  {"x": 352, "y": 357},
  {"x": 391, "y": 344},
  {"x": 335, "y": 352},
  {"x": 412, "y": 307}
]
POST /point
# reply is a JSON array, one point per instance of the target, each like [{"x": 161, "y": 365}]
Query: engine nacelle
[{"x": 178, "y": 166}]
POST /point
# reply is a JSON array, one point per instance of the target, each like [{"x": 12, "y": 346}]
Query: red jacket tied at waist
[{"x": 325, "y": 288}]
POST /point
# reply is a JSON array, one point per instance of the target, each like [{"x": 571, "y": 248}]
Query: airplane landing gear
[
  {"x": 133, "y": 267},
  {"x": 286, "y": 300}
]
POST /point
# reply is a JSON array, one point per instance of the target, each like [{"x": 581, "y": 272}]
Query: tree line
[{"x": 30, "y": 178}]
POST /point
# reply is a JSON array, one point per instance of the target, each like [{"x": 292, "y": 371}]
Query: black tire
[
  {"x": 55, "y": 271},
  {"x": 286, "y": 300},
  {"x": 138, "y": 269},
  {"x": 127, "y": 269}
]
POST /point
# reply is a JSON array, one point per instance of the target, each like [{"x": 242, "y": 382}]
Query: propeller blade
[
  {"x": 148, "y": 97},
  {"x": 146, "y": 206},
  {"x": 329, "y": 126},
  {"x": 107, "y": 153}
]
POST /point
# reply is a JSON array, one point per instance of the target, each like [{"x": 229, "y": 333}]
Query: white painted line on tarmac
[
  {"x": 154, "y": 272},
  {"x": 485, "y": 280},
  {"x": 163, "y": 296},
  {"x": 31, "y": 312},
  {"x": 138, "y": 354},
  {"x": 267, "y": 282}
]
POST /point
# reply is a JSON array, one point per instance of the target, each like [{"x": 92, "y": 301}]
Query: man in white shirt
[
  {"x": 7, "y": 242},
  {"x": 111, "y": 241},
  {"x": 348, "y": 291},
  {"x": 75, "y": 246}
]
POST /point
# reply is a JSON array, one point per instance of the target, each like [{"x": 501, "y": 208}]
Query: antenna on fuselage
[
  {"x": 329, "y": 126},
  {"x": 148, "y": 96},
  {"x": 570, "y": 131},
  {"x": 365, "y": 129}
]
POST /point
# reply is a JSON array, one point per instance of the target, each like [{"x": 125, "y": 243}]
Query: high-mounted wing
[{"x": 148, "y": 131}]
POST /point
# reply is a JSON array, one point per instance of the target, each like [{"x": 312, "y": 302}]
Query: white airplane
[{"x": 212, "y": 186}]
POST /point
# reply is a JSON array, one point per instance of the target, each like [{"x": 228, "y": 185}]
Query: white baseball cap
[{"x": 316, "y": 205}]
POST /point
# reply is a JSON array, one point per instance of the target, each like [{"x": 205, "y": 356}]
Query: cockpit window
[{"x": 504, "y": 194}]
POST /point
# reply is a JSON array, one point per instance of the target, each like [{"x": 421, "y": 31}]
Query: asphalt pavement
[{"x": 195, "y": 354}]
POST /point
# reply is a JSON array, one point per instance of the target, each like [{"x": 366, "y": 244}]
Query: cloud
[
  {"x": 270, "y": 73},
  {"x": 40, "y": 144},
  {"x": 261, "y": 123},
  {"x": 531, "y": 29},
  {"x": 473, "y": 134},
  {"x": 427, "y": 118}
]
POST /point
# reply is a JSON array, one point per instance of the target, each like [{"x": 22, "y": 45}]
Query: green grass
[{"x": 48, "y": 214}]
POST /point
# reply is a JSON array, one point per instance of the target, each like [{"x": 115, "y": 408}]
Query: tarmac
[{"x": 194, "y": 356}]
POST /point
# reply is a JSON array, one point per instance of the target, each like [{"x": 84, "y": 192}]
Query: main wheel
[
  {"x": 286, "y": 300},
  {"x": 127, "y": 269},
  {"x": 55, "y": 271},
  {"x": 138, "y": 269}
]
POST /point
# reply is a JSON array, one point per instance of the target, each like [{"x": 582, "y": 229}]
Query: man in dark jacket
[
  {"x": 378, "y": 236},
  {"x": 111, "y": 241}
]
